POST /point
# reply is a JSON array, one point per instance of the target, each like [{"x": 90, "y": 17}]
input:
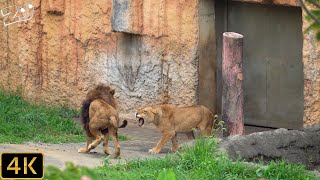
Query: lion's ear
[
  {"x": 112, "y": 91},
  {"x": 157, "y": 114},
  {"x": 156, "y": 111}
]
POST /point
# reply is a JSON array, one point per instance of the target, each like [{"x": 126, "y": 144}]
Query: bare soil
[{"x": 140, "y": 141}]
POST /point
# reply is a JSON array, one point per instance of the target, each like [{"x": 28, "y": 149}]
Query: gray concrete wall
[{"x": 207, "y": 55}]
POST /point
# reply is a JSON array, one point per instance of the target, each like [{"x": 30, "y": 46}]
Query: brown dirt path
[{"x": 141, "y": 140}]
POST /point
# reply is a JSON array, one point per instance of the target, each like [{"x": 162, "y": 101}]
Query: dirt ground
[{"x": 141, "y": 140}]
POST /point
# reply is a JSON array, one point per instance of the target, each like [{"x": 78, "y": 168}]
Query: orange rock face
[
  {"x": 68, "y": 46},
  {"x": 311, "y": 62}
]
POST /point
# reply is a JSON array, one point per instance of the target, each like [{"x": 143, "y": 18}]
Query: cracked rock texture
[
  {"x": 69, "y": 46},
  {"x": 311, "y": 62},
  {"x": 293, "y": 146}
]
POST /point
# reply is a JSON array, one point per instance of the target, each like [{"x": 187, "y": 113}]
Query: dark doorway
[{"x": 273, "y": 69}]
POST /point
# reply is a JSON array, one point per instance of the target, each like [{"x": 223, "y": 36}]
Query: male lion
[
  {"x": 171, "y": 119},
  {"x": 100, "y": 118}
]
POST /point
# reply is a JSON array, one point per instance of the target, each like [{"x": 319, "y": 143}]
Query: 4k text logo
[{"x": 21, "y": 165}]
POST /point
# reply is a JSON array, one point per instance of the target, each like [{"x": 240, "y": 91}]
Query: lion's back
[{"x": 102, "y": 109}]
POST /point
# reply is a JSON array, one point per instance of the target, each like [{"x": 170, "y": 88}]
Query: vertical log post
[{"x": 232, "y": 79}]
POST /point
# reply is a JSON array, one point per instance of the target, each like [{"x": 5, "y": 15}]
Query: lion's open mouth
[{"x": 141, "y": 121}]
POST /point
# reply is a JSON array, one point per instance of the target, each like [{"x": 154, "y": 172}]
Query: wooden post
[{"x": 232, "y": 79}]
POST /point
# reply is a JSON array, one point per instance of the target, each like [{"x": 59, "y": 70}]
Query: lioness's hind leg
[
  {"x": 206, "y": 128},
  {"x": 190, "y": 135},
  {"x": 208, "y": 131}
]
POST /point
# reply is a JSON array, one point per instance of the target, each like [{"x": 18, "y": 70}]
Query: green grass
[
  {"x": 202, "y": 161},
  {"x": 21, "y": 121}
]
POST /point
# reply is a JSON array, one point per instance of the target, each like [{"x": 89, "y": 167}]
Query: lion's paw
[
  {"x": 116, "y": 156},
  {"x": 153, "y": 151},
  {"x": 174, "y": 149},
  {"x": 107, "y": 152},
  {"x": 83, "y": 150}
]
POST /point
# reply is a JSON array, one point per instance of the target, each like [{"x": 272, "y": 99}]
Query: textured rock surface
[
  {"x": 68, "y": 46},
  {"x": 311, "y": 62},
  {"x": 293, "y": 146}
]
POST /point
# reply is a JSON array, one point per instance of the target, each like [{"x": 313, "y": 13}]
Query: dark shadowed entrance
[{"x": 273, "y": 69}]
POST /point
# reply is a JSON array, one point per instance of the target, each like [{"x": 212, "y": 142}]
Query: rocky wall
[
  {"x": 311, "y": 62},
  {"x": 69, "y": 46},
  {"x": 294, "y": 146}
]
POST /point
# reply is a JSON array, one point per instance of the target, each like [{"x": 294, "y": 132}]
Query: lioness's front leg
[
  {"x": 175, "y": 145},
  {"x": 164, "y": 139}
]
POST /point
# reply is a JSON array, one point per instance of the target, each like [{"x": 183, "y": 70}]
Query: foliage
[
  {"x": 201, "y": 161},
  {"x": 313, "y": 15},
  {"x": 71, "y": 172},
  {"x": 21, "y": 121},
  {"x": 167, "y": 174}
]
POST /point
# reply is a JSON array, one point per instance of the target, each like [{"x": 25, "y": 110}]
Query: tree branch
[
  {"x": 314, "y": 3},
  {"x": 303, "y": 6}
]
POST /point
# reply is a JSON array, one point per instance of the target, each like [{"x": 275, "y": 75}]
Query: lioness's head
[{"x": 146, "y": 114}]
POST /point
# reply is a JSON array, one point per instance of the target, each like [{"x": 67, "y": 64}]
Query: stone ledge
[{"x": 290, "y": 145}]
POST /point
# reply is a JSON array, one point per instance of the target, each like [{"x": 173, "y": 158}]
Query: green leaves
[
  {"x": 21, "y": 121},
  {"x": 318, "y": 35},
  {"x": 314, "y": 17},
  {"x": 71, "y": 172},
  {"x": 315, "y": 26}
]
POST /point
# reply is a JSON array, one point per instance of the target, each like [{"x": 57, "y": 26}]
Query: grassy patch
[
  {"x": 202, "y": 161},
  {"x": 21, "y": 121},
  {"x": 71, "y": 172},
  {"x": 122, "y": 137}
]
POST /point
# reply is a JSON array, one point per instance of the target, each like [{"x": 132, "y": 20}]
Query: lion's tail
[
  {"x": 85, "y": 116},
  {"x": 114, "y": 122},
  {"x": 124, "y": 124}
]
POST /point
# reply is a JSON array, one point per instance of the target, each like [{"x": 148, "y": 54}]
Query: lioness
[
  {"x": 100, "y": 118},
  {"x": 171, "y": 119}
]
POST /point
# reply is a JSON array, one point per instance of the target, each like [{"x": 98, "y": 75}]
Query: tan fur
[
  {"x": 101, "y": 119},
  {"x": 171, "y": 119}
]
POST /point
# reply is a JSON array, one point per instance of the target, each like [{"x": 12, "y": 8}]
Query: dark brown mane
[{"x": 105, "y": 93}]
